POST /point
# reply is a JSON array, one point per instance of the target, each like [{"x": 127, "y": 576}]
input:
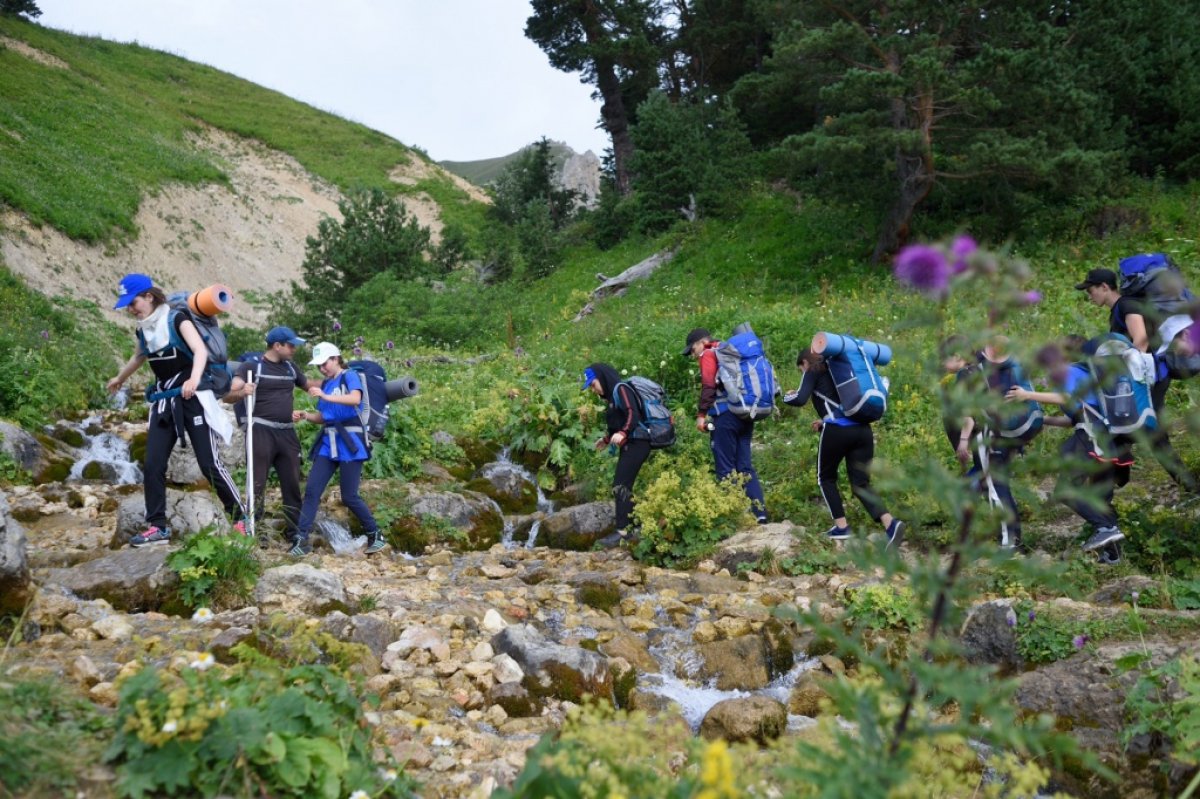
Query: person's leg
[
  {"x": 264, "y": 457},
  {"x": 629, "y": 463},
  {"x": 745, "y": 466},
  {"x": 860, "y": 451},
  {"x": 160, "y": 440},
  {"x": 1160, "y": 441},
  {"x": 724, "y": 443},
  {"x": 319, "y": 476},
  {"x": 1000, "y": 464},
  {"x": 204, "y": 447},
  {"x": 831, "y": 451},
  {"x": 287, "y": 466},
  {"x": 1086, "y": 485},
  {"x": 349, "y": 477}
]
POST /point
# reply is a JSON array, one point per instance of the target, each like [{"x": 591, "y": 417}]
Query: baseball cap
[
  {"x": 1096, "y": 277},
  {"x": 589, "y": 375},
  {"x": 696, "y": 335},
  {"x": 132, "y": 285},
  {"x": 283, "y": 335},
  {"x": 323, "y": 352}
]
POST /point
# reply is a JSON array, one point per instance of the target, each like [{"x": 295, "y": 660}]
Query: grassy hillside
[
  {"x": 80, "y": 146},
  {"x": 484, "y": 171}
]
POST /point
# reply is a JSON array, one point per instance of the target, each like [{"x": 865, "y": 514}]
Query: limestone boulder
[
  {"x": 554, "y": 670},
  {"x": 188, "y": 512},
  {"x": 737, "y": 664},
  {"x": 299, "y": 588},
  {"x": 749, "y": 546},
  {"x": 989, "y": 635},
  {"x": 15, "y": 587},
  {"x": 749, "y": 718},
  {"x": 131, "y": 580},
  {"x": 578, "y": 527}
]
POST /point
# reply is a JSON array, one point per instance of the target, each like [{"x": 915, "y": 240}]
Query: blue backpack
[
  {"x": 1154, "y": 278},
  {"x": 747, "y": 378},
  {"x": 853, "y": 364},
  {"x": 1022, "y": 420},
  {"x": 657, "y": 425},
  {"x": 1120, "y": 387}
]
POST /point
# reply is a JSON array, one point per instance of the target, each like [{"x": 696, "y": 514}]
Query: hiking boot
[
  {"x": 1109, "y": 554},
  {"x": 300, "y": 548},
  {"x": 895, "y": 534},
  {"x": 375, "y": 543},
  {"x": 152, "y": 535},
  {"x": 1105, "y": 535},
  {"x": 240, "y": 528},
  {"x": 763, "y": 520},
  {"x": 613, "y": 540},
  {"x": 836, "y": 533}
]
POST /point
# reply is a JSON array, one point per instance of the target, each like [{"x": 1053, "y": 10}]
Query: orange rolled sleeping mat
[{"x": 211, "y": 301}]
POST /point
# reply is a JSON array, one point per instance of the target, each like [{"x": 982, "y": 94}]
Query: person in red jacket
[{"x": 731, "y": 434}]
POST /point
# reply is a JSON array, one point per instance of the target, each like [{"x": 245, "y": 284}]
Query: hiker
[
  {"x": 623, "y": 416},
  {"x": 842, "y": 439},
  {"x": 730, "y": 435},
  {"x": 272, "y": 380},
  {"x": 181, "y": 403},
  {"x": 341, "y": 446},
  {"x": 1092, "y": 457},
  {"x": 957, "y": 357},
  {"x": 1129, "y": 318}
]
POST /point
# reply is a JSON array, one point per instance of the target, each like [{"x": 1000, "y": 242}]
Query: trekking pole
[{"x": 250, "y": 456}]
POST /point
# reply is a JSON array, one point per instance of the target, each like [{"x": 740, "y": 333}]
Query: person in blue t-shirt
[
  {"x": 341, "y": 447},
  {"x": 841, "y": 440}
]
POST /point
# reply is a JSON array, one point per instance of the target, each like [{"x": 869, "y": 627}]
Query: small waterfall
[
  {"x": 505, "y": 465},
  {"x": 337, "y": 536},
  {"x": 106, "y": 454}
]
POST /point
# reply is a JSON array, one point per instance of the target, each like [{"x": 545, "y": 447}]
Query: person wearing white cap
[{"x": 341, "y": 447}]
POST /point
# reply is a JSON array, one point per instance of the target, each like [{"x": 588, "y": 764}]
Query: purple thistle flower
[
  {"x": 337, "y": 326},
  {"x": 358, "y": 340},
  {"x": 358, "y": 350},
  {"x": 961, "y": 250},
  {"x": 924, "y": 268},
  {"x": 1079, "y": 641},
  {"x": 1031, "y": 298},
  {"x": 390, "y": 345},
  {"x": 45, "y": 334},
  {"x": 1032, "y": 615},
  {"x": 1010, "y": 620}
]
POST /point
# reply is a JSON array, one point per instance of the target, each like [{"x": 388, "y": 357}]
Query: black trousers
[
  {"x": 278, "y": 449},
  {"x": 629, "y": 463},
  {"x": 854, "y": 444},
  {"x": 1086, "y": 470},
  {"x": 1160, "y": 442},
  {"x": 160, "y": 440}
]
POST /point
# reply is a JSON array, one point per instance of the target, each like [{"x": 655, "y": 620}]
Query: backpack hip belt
[{"x": 258, "y": 420}]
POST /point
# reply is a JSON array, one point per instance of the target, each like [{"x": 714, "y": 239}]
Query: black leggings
[
  {"x": 160, "y": 440},
  {"x": 629, "y": 463},
  {"x": 854, "y": 444},
  {"x": 1160, "y": 442}
]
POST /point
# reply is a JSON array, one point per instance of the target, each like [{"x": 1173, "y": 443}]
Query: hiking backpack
[
  {"x": 1155, "y": 279},
  {"x": 1021, "y": 421},
  {"x": 657, "y": 425},
  {"x": 217, "y": 376},
  {"x": 378, "y": 391},
  {"x": 853, "y": 364},
  {"x": 745, "y": 374},
  {"x": 1121, "y": 377}
]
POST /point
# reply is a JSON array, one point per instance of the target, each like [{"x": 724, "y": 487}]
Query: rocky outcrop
[
  {"x": 132, "y": 580},
  {"x": 15, "y": 588},
  {"x": 188, "y": 512},
  {"x": 508, "y": 485},
  {"x": 182, "y": 469},
  {"x": 989, "y": 635},
  {"x": 551, "y": 669},
  {"x": 578, "y": 527},
  {"x": 779, "y": 539},
  {"x": 44, "y": 458},
  {"x": 751, "y": 718},
  {"x": 737, "y": 664},
  {"x": 299, "y": 588}
]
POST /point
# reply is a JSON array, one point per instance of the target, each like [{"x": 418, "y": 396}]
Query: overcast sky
[{"x": 457, "y": 78}]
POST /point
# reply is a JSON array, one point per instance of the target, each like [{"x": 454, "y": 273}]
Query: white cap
[{"x": 323, "y": 352}]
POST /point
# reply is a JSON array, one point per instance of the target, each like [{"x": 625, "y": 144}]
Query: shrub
[
  {"x": 216, "y": 570},
  {"x": 684, "y": 512},
  {"x": 47, "y": 731},
  {"x": 244, "y": 731},
  {"x": 883, "y": 607}
]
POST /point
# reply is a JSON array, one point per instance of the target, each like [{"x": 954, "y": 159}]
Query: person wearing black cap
[
  {"x": 731, "y": 434},
  {"x": 272, "y": 379},
  {"x": 181, "y": 400},
  {"x": 622, "y": 415},
  {"x": 1127, "y": 317}
]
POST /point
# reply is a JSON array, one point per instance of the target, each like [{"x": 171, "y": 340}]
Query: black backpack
[{"x": 378, "y": 391}]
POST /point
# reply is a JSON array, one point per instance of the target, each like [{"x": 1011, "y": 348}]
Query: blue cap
[
  {"x": 284, "y": 335},
  {"x": 588, "y": 377},
  {"x": 132, "y": 285}
]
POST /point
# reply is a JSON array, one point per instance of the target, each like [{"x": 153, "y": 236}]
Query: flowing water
[
  {"x": 109, "y": 453},
  {"x": 337, "y": 536},
  {"x": 504, "y": 465}
]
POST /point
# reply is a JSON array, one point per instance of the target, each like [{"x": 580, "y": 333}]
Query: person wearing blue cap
[
  {"x": 182, "y": 403},
  {"x": 623, "y": 416},
  {"x": 272, "y": 379}
]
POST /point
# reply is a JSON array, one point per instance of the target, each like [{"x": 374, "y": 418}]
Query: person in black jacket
[
  {"x": 623, "y": 416},
  {"x": 842, "y": 439}
]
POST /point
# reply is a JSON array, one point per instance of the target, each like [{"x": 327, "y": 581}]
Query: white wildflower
[
  {"x": 440, "y": 741},
  {"x": 360, "y": 794},
  {"x": 662, "y": 364},
  {"x": 388, "y": 774},
  {"x": 624, "y": 372},
  {"x": 202, "y": 615},
  {"x": 170, "y": 726},
  {"x": 203, "y": 661}
]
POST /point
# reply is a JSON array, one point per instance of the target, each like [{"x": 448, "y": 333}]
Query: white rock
[
  {"x": 113, "y": 628},
  {"x": 483, "y": 651},
  {"x": 493, "y": 622},
  {"x": 507, "y": 669}
]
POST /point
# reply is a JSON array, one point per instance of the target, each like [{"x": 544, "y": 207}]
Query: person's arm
[
  {"x": 1135, "y": 323},
  {"x": 1058, "y": 421},
  {"x": 1018, "y": 394},
  {"x": 621, "y": 434},
  {"x": 708, "y": 387},
  {"x": 132, "y": 365},
  {"x": 241, "y": 387},
  {"x": 800, "y": 397},
  {"x": 191, "y": 337},
  {"x": 963, "y": 450},
  {"x": 351, "y": 397}
]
